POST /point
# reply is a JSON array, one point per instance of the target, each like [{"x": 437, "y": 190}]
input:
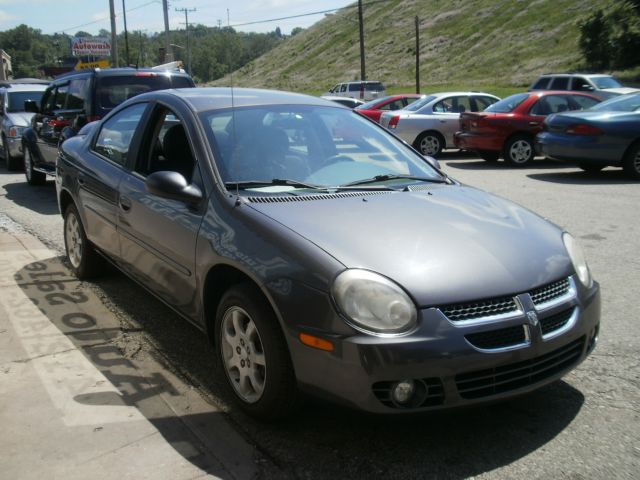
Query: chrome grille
[
  {"x": 501, "y": 338},
  {"x": 549, "y": 292},
  {"x": 493, "y": 381},
  {"x": 486, "y": 308},
  {"x": 555, "y": 322}
]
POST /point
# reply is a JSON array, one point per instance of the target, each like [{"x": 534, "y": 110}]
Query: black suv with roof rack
[{"x": 76, "y": 98}]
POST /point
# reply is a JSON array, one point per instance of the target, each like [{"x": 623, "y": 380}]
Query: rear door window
[
  {"x": 560, "y": 83},
  {"x": 113, "y": 90},
  {"x": 541, "y": 84},
  {"x": 77, "y": 94}
]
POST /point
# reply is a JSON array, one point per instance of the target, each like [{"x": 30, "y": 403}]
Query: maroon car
[
  {"x": 509, "y": 127},
  {"x": 374, "y": 108}
]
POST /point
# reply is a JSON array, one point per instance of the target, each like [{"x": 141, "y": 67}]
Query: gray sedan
[{"x": 322, "y": 255}]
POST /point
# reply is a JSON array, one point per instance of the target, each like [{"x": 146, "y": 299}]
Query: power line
[{"x": 102, "y": 19}]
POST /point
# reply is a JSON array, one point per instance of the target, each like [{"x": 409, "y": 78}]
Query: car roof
[
  {"x": 592, "y": 75},
  {"x": 123, "y": 71},
  {"x": 24, "y": 87},
  {"x": 208, "y": 98},
  {"x": 448, "y": 94}
]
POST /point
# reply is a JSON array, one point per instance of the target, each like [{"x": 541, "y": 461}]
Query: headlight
[
  {"x": 374, "y": 302},
  {"x": 578, "y": 259},
  {"x": 15, "y": 131}
]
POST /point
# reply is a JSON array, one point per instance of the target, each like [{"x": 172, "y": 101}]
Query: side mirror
[
  {"x": 432, "y": 161},
  {"x": 31, "y": 106},
  {"x": 174, "y": 186}
]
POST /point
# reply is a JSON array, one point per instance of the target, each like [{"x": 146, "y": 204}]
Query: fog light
[{"x": 403, "y": 391}]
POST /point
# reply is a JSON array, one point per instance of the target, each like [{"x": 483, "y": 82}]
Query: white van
[{"x": 364, "y": 90}]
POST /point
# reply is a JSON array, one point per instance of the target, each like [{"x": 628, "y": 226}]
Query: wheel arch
[
  {"x": 632, "y": 144},
  {"x": 425, "y": 132},
  {"x": 64, "y": 200},
  {"x": 218, "y": 280}
]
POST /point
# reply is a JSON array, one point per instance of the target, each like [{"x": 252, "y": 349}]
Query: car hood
[
  {"x": 19, "y": 119},
  {"x": 444, "y": 245},
  {"x": 620, "y": 90}
]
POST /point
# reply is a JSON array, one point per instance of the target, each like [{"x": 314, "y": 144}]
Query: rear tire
[
  {"x": 519, "y": 150},
  {"x": 84, "y": 260},
  {"x": 488, "y": 155},
  {"x": 252, "y": 355},
  {"x": 429, "y": 143},
  {"x": 631, "y": 161},
  {"x": 33, "y": 177}
]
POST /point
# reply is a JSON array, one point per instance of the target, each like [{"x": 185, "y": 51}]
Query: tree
[{"x": 594, "y": 41}]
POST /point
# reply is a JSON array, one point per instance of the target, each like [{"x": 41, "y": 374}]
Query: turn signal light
[
  {"x": 583, "y": 129},
  {"x": 316, "y": 342}
]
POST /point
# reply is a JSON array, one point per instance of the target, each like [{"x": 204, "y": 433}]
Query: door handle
[
  {"x": 534, "y": 124},
  {"x": 125, "y": 204}
]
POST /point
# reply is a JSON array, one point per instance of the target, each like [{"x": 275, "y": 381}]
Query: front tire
[
  {"x": 84, "y": 260},
  {"x": 429, "y": 143},
  {"x": 253, "y": 354},
  {"x": 13, "y": 163},
  {"x": 519, "y": 151},
  {"x": 33, "y": 177},
  {"x": 631, "y": 161}
]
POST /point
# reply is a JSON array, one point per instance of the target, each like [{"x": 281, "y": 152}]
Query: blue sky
[{"x": 69, "y": 16}]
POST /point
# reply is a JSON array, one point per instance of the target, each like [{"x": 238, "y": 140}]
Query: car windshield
[
  {"x": 623, "y": 103},
  {"x": 606, "y": 82},
  {"x": 279, "y": 148},
  {"x": 507, "y": 105},
  {"x": 372, "y": 103},
  {"x": 418, "y": 104},
  {"x": 16, "y": 100}
]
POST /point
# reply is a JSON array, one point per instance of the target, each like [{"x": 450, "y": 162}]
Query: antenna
[{"x": 233, "y": 123}]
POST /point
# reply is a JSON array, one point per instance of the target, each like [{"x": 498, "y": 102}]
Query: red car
[
  {"x": 509, "y": 127},
  {"x": 374, "y": 108}
]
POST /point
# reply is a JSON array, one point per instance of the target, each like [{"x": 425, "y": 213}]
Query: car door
[
  {"x": 447, "y": 115},
  {"x": 46, "y": 125},
  {"x": 100, "y": 174},
  {"x": 158, "y": 235}
]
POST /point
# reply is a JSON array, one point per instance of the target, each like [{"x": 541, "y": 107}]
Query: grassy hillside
[{"x": 494, "y": 45}]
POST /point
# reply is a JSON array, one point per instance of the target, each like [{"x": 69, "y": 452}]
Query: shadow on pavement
[
  {"x": 478, "y": 164},
  {"x": 40, "y": 199},
  {"x": 614, "y": 176},
  {"x": 321, "y": 440}
]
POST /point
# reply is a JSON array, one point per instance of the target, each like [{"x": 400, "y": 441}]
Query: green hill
[{"x": 495, "y": 45}]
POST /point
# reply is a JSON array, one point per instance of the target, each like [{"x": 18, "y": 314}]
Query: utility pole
[
  {"x": 363, "y": 75},
  {"x": 167, "y": 45},
  {"x": 186, "y": 22},
  {"x": 114, "y": 40},
  {"x": 417, "y": 54},
  {"x": 126, "y": 36}
]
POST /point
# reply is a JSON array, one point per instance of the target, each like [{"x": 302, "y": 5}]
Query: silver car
[
  {"x": 13, "y": 119},
  {"x": 429, "y": 123}
]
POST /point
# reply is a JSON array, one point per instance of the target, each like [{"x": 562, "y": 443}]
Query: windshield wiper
[
  {"x": 245, "y": 184},
  {"x": 382, "y": 178}
]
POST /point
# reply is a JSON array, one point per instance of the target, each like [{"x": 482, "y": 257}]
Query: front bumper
[{"x": 448, "y": 369}]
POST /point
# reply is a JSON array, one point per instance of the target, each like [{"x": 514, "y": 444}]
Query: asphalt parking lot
[{"x": 585, "y": 426}]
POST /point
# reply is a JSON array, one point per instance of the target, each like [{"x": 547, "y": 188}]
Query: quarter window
[{"x": 115, "y": 136}]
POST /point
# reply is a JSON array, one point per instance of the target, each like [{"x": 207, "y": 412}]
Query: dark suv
[{"x": 76, "y": 98}]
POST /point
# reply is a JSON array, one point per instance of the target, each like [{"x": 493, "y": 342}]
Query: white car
[
  {"x": 430, "y": 122},
  {"x": 365, "y": 90}
]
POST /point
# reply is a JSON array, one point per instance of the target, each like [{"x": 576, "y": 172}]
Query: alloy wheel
[
  {"x": 73, "y": 240},
  {"x": 243, "y": 354},
  {"x": 520, "y": 151},
  {"x": 430, "y": 145}
]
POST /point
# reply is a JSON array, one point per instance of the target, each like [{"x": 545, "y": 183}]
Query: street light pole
[{"x": 167, "y": 46}]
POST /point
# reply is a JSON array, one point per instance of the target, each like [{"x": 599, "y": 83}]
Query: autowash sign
[{"x": 90, "y": 46}]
